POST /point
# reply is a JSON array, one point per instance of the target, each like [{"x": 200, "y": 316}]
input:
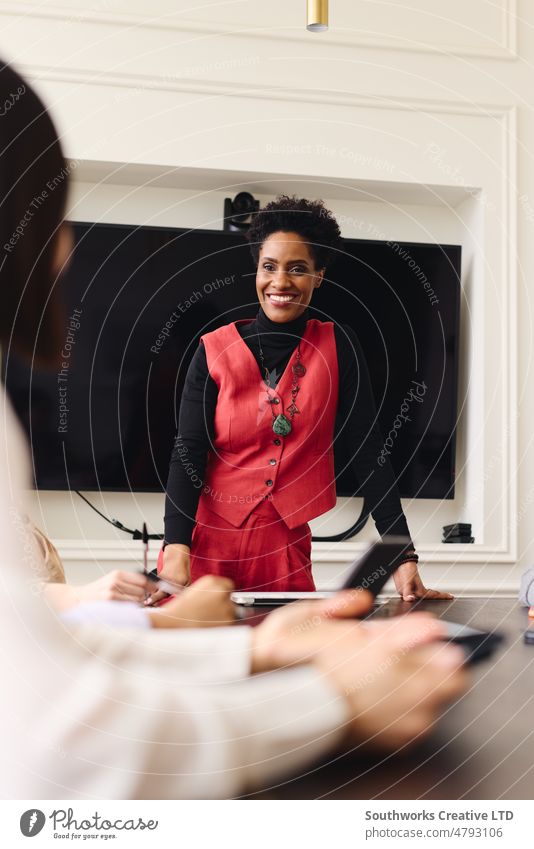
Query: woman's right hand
[
  {"x": 396, "y": 679},
  {"x": 176, "y": 569}
]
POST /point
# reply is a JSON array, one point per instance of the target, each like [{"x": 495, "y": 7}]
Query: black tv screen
[{"x": 137, "y": 300}]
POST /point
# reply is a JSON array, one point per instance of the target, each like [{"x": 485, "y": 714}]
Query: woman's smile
[{"x": 279, "y": 300}]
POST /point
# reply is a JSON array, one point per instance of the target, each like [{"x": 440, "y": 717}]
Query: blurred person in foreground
[{"x": 164, "y": 713}]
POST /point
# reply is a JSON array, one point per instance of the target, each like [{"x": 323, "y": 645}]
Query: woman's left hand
[
  {"x": 410, "y": 586},
  {"x": 205, "y": 604}
]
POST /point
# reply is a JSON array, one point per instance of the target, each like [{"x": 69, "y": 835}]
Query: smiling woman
[{"x": 263, "y": 404}]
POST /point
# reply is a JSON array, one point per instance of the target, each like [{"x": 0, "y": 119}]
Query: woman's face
[{"x": 286, "y": 276}]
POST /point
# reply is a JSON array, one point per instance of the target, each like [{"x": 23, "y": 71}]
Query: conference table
[{"x": 481, "y": 748}]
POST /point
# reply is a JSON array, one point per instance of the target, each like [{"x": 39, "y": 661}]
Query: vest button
[
  {"x": 276, "y": 400},
  {"x": 272, "y": 462},
  {"x": 269, "y": 482},
  {"x": 277, "y": 441}
]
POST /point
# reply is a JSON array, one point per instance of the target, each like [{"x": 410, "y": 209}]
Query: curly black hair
[{"x": 290, "y": 214}]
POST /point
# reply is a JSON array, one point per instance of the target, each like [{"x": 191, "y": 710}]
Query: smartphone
[
  {"x": 529, "y": 634},
  {"x": 477, "y": 645},
  {"x": 373, "y": 570}
]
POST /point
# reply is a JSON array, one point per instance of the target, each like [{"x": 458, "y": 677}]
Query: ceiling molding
[
  {"x": 506, "y": 50},
  {"x": 329, "y": 97}
]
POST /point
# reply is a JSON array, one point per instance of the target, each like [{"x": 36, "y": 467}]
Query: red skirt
[{"x": 263, "y": 554}]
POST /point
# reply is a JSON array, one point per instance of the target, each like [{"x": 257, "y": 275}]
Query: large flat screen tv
[{"x": 138, "y": 298}]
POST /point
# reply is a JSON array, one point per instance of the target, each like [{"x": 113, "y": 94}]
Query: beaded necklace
[{"x": 282, "y": 425}]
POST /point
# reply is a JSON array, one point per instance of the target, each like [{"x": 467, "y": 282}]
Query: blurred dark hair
[
  {"x": 33, "y": 194},
  {"x": 290, "y": 214}
]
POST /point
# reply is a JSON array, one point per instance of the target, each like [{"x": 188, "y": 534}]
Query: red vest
[{"x": 245, "y": 465}]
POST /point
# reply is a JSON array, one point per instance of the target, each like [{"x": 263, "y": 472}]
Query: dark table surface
[{"x": 483, "y": 745}]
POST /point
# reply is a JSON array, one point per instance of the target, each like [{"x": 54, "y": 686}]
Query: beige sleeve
[{"x": 93, "y": 717}]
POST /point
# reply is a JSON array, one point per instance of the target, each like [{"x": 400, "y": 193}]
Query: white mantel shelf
[
  {"x": 443, "y": 568},
  {"x": 323, "y": 552}
]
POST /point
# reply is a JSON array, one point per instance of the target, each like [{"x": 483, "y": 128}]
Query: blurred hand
[
  {"x": 294, "y": 633},
  {"x": 206, "y": 604},
  {"x": 410, "y": 586},
  {"x": 396, "y": 679},
  {"x": 176, "y": 568},
  {"x": 115, "y": 586}
]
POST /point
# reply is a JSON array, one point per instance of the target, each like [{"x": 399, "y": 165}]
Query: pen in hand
[
  {"x": 161, "y": 585},
  {"x": 145, "y": 550},
  {"x": 145, "y": 555}
]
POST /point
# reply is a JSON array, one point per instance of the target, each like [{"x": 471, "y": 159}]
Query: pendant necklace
[{"x": 282, "y": 425}]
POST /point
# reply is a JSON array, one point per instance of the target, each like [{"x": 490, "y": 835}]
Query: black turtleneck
[
  {"x": 355, "y": 422},
  {"x": 278, "y": 341}
]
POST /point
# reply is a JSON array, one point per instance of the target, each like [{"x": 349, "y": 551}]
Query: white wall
[{"x": 404, "y": 121}]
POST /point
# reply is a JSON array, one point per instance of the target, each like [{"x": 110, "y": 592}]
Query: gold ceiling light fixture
[{"x": 317, "y": 15}]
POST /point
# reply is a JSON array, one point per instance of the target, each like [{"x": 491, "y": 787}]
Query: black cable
[
  {"x": 352, "y": 531},
  {"x": 135, "y": 534},
  {"x": 115, "y": 522}
]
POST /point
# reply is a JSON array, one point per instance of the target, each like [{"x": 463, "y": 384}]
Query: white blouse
[{"x": 101, "y": 712}]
